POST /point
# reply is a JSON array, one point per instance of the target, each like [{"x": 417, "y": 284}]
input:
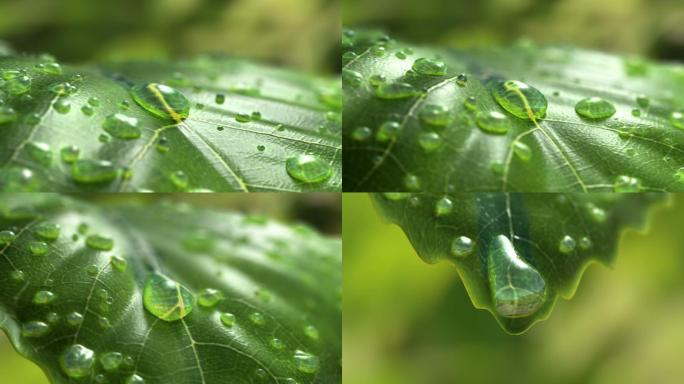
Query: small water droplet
[
  {"x": 100, "y": 243},
  {"x": 411, "y": 182},
  {"x": 7, "y": 114},
  {"x": 643, "y": 101},
  {"x": 362, "y": 133},
  {"x": 220, "y": 98},
  {"x": 227, "y": 319},
  {"x": 462, "y": 246},
  {"x": 166, "y": 298},
  {"x": 567, "y": 244},
  {"x": 70, "y": 153},
  {"x": 122, "y": 126},
  {"x": 311, "y": 332},
  {"x": 74, "y": 319},
  {"x": 585, "y": 242},
  {"x": 62, "y": 105},
  {"x": 118, "y": 263},
  {"x": 77, "y": 361},
  {"x": 180, "y": 180},
  {"x": 461, "y": 80},
  {"x": 257, "y": 318},
  {"x": 35, "y": 329},
  {"x": 87, "y": 171},
  {"x": 677, "y": 119},
  {"x": 429, "y": 67},
  {"x": 94, "y": 101},
  {"x": 276, "y": 343},
  {"x": 47, "y": 231},
  {"x": 435, "y": 115},
  {"x": 87, "y": 110},
  {"x": 18, "y": 275},
  {"x": 43, "y": 297},
  {"x": 6, "y": 237},
  {"x": 595, "y": 108},
  {"x": 111, "y": 361},
  {"x": 387, "y": 131},
  {"x": 470, "y": 103},
  {"x": 493, "y": 122},
  {"x": 306, "y": 362},
  {"x": 444, "y": 206},
  {"x": 308, "y": 168},
  {"x": 625, "y": 183},
  {"x": 40, "y": 152},
  {"x": 209, "y": 297},
  {"x": 134, "y": 379},
  {"x": 38, "y": 248},
  {"x": 522, "y": 150},
  {"x": 351, "y": 79},
  {"x": 395, "y": 91},
  {"x": 377, "y": 80},
  {"x": 162, "y": 101},
  {"x": 430, "y": 141}
]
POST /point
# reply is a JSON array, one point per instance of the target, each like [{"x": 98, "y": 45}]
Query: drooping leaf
[
  {"x": 516, "y": 252},
  {"x": 168, "y": 293},
  {"x": 508, "y": 119},
  {"x": 61, "y": 131}
]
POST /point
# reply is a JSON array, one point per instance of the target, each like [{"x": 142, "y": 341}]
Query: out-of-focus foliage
[
  {"x": 296, "y": 33},
  {"x": 408, "y": 322},
  {"x": 644, "y": 27}
]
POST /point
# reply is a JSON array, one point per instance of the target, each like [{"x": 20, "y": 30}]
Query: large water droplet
[
  {"x": 493, "y": 122},
  {"x": 166, "y": 298},
  {"x": 34, "y": 329},
  {"x": 6, "y": 237},
  {"x": 122, "y": 126},
  {"x": 518, "y": 290},
  {"x": 595, "y": 108},
  {"x": 38, "y": 248},
  {"x": 361, "y": 133},
  {"x": 47, "y": 231},
  {"x": 118, "y": 263},
  {"x": 162, "y": 101},
  {"x": 100, "y": 243},
  {"x": 77, "y": 361},
  {"x": 308, "y": 168},
  {"x": 306, "y": 362},
  {"x": 435, "y": 115},
  {"x": 395, "y": 91},
  {"x": 111, "y": 361},
  {"x": 430, "y": 67},
  {"x": 519, "y": 99},
  {"x": 352, "y": 79},
  {"x": 87, "y": 171},
  {"x": 430, "y": 141},
  {"x": 462, "y": 246},
  {"x": 388, "y": 130},
  {"x": 227, "y": 319}
]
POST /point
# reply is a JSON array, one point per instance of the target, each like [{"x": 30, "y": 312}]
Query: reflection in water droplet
[
  {"x": 100, "y": 243},
  {"x": 162, "y": 101},
  {"x": 518, "y": 290},
  {"x": 166, "y": 298}
]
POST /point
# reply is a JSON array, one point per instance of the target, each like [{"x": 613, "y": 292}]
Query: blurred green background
[
  {"x": 409, "y": 322},
  {"x": 301, "y": 34},
  {"x": 319, "y": 210},
  {"x": 653, "y": 28}
]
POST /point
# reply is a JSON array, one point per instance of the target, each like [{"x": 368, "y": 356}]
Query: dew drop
[
  {"x": 100, "y": 243},
  {"x": 6, "y": 237},
  {"x": 77, "y": 361},
  {"x": 209, "y": 297},
  {"x": 47, "y": 231},
  {"x": 74, "y": 319},
  {"x": 43, "y": 297},
  {"x": 461, "y": 80},
  {"x": 395, "y": 91},
  {"x": 308, "y": 168},
  {"x": 118, "y": 263},
  {"x": 162, "y": 101},
  {"x": 17, "y": 85},
  {"x": 38, "y": 248},
  {"x": 18, "y": 275},
  {"x": 522, "y": 150},
  {"x": 134, "y": 379},
  {"x": 388, "y": 130},
  {"x": 306, "y": 362},
  {"x": 311, "y": 332},
  {"x": 243, "y": 118},
  {"x": 429, "y": 67},
  {"x": 411, "y": 182},
  {"x": 585, "y": 243},
  {"x": 351, "y": 79},
  {"x": 430, "y": 141},
  {"x": 87, "y": 110},
  {"x": 166, "y": 298},
  {"x": 34, "y": 329},
  {"x": 462, "y": 246},
  {"x": 7, "y": 114},
  {"x": 567, "y": 244},
  {"x": 220, "y": 98},
  {"x": 362, "y": 133},
  {"x": 62, "y": 105},
  {"x": 595, "y": 108},
  {"x": 276, "y": 343},
  {"x": 625, "y": 183},
  {"x": 52, "y": 318},
  {"x": 677, "y": 120},
  {"x": 470, "y": 103},
  {"x": 122, "y": 126},
  {"x": 227, "y": 319},
  {"x": 493, "y": 122},
  {"x": 69, "y": 154},
  {"x": 40, "y": 152},
  {"x": 518, "y": 290},
  {"x": 87, "y": 171},
  {"x": 377, "y": 80},
  {"x": 643, "y": 101},
  {"x": 180, "y": 180},
  {"x": 94, "y": 101},
  {"x": 435, "y": 115},
  {"x": 520, "y": 99},
  {"x": 49, "y": 68},
  {"x": 257, "y": 318},
  {"x": 444, "y": 206}
]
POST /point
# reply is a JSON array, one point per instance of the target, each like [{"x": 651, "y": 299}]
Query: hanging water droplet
[
  {"x": 47, "y": 231},
  {"x": 227, "y": 319},
  {"x": 308, "y": 168},
  {"x": 118, "y": 263},
  {"x": 166, "y": 298},
  {"x": 361, "y": 133},
  {"x": 435, "y": 115},
  {"x": 43, "y": 297},
  {"x": 38, "y": 248},
  {"x": 462, "y": 246},
  {"x": 493, "y": 122},
  {"x": 87, "y": 171},
  {"x": 122, "y": 126},
  {"x": 430, "y": 141},
  {"x": 518, "y": 290},
  {"x": 567, "y": 244},
  {"x": 522, "y": 150},
  {"x": 395, "y": 91},
  {"x": 429, "y": 67},
  {"x": 306, "y": 362},
  {"x": 520, "y": 99},
  {"x": 595, "y": 108},
  {"x": 77, "y": 361},
  {"x": 100, "y": 243},
  {"x": 444, "y": 206},
  {"x": 70, "y": 153},
  {"x": 625, "y": 183},
  {"x": 162, "y": 101},
  {"x": 34, "y": 329},
  {"x": 209, "y": 297}
]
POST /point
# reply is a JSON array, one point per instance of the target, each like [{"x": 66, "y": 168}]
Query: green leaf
[
  {"x": 245, "y": 121},
  {"x": 516, "y": 252},
  {"x": 408, "y": 127},
  {"x": 185, "y": 295}
]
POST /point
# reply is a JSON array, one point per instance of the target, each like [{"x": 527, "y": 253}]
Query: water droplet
[
  {"x": 311, "y": 332},
  {"x": 100, "y": 243},
  {"x": 77, "y": 361},
  {"x": 162, "y": 101},
  {"x": 361, "y": 133},
  {"x": 34, "y": 329},
  {"x": 94, "y": 101},
  {"x": 261, "y": 148},
  {"x": 625, "y": 183},
  {"x": 520, "y": 100},
  {"x": 462, "y": 246},
  {"x": 518, "y": 290},
  {"x": 74, "y": 319},
  {"x": 63, "y": 89},
  {"x": 377, "y": 80},
  {"x": 306, "y": 362},
  {"x": 429, "y": 67},
  {"x": 86, "y": 171},
  {"x": 70, "y": 153},
  {"x": 6, "y": 237},
  {"x": 677, "y": 120},
  {"x": 38, "y": 248},
  {"x": 52, "y": 317},
  {"x": 585, "y": 243},
  {"x": 597, "y": 214},
  {"x": 122, "y": 126},
  {"x": 595, "y": 108},
  {"x": 378, "y": 51},
  {"x": 522, "y": 150},
  {"x": 209, "y": 297},
  {"x": 430, "y": 141},
  {"x": 180, "y": 180},
  {"x": 47, "y": 231},
  {"x": 220, "y": 98},
  {"x": 87, "y": 110},
  {"x": 111, "y": 361},
  {"x": 40, "y": 152},
  {"x": 493, "y": 122},
  {"x": 308, "y": 168},
  {"x": 444, "y": 206},
  {"x": 567, "y": 244},
  {"x": 243, "y": 118},
  {"x": 435, "y": 115},
  {"x": 228, "y": 319},
  {"x": 643, "y": 101},
  {"x": 276, "y": 343},
  {"x": 62, "y": 105},
  {"x": 461, "y": 80},
  {"x": 395, "y": 91},
  {"x": 387, "y": 131},
  {"x": 257, "y": 318},
  {"x": 118, "y": 263},
  {"x": 17, "y": 275},
  {"x": 134, "y": 379},
  {"x": 49, "y": 68},
  {"x": 166, "y": 298},
  {"x": 470, "y": 103},
  {"x": 352, "y": 79},
  {"x": 17, "y": 85},
  {"x": 103, "y": 322},
  {"x": 411, "y": 182},
  {"x": 43, "y": 297},
  {"x": 7, "y": 114}
]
